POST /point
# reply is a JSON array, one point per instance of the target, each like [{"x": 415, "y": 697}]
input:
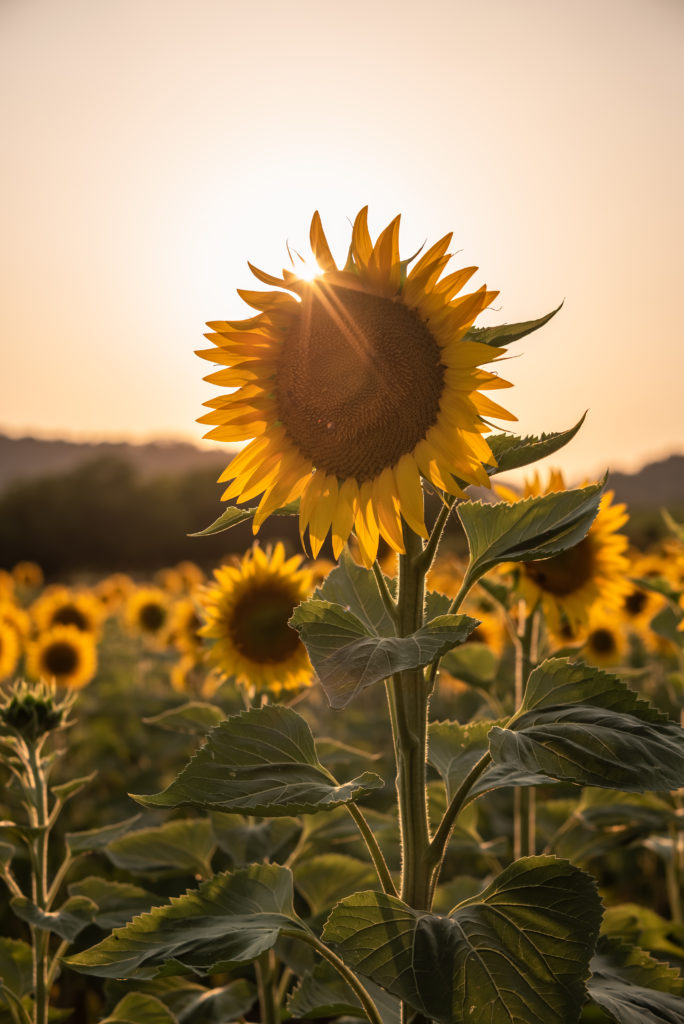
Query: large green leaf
[
  {"x": 179, "y": 846},
  {"x": 261, "y": 762},
  {"x": 231, "y": 918},
  {"x": 580, "y": 724},
  {"x": 234, "y": 515},
  {"x": 505, "y": 334},
  {"x": 454, "y": 749},
  {"x": 356, "y": 589},
  {"x": 324, "y": 880},
  {"x": 512, "y": 452},
  {"x": 522, "y": 531},
  {"x": 348, "y": 656},
  {"x": 321, "y": 992},
  {"x": 138, "y": 1008},
  {"x": 632, "y": 987},
  {"x": 97, "y": 838},
  {"x": 518, "y": 952},
  {"x": 116, "y": 902}
]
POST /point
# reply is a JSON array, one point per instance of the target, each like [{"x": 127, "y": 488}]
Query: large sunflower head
[
  {"x": 9, "y": 649},
  {"x": 594, "y": 570},
  {"x": 65, "y": 654},
  {"x": 246, "y": 613},
  {"x": 352, "y": 385}
]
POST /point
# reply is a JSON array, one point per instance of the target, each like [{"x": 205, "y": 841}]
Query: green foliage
[
  {"x": 73, "y": 916},
  {"x": 195, "y": 718},
  {"x": 518, "y": 952},
  {"x": 231, "y": 918},
  {"x": 632, "y": 987},
  {"x": 180, "y": 846},
  {"x": 582, "y": 725},
  {"x": 512, "y": 452},
  {"x": 136, "y": 1008},
  {"x": 321, "y": 992},
  {"x": 263, "y": 762},
  {"x": 526, "y": 530},
  {"x": 115, "y": 902},
  {"x": 505, "y": 334},
  {"x": 326, "y": 879},
  {"x": 234, "y": 515}
]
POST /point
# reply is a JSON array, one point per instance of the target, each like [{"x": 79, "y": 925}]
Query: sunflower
[
  {"x": 6, "y": 585},
  {"x": 184, "y": 625},
  {"x": 352, "y": 385},
  {"x": 113, "y": 590},
  {"x": 66, "y": 654},
  {"x": 9, "y": 650},
  {"x": 147, "y": 612},
  {"x": 246, "y": 612},
  {"x": 568, "y": 584},
  {"x": 17, "y": 617},
  {"x": 61, "y": 606},
  {"x": 605, "y": 642},
  {"x": 28, "y": 574}
]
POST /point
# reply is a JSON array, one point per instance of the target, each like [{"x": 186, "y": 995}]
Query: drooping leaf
[
  {"x": 321, "y": 992},
  {"x": 73, "y": 916},
  {"x": 512, "y": 452},
  {"x": 455, "y": 749},
  {"x": 348, "y": 657},
  {"x": 474, "y": 663},
  {"x": 97, "y": 838},
  {"x": 137, "y": 1008},
  {"x": 196, "y": 718},
  {"x": 505, "y": 334},
  {"x": 261, "y": 762},
  {"x": 231, "y": 918},
  {"x": 116, "y": 902},
  {"x": 180, "y": 846},
  {"x": 526, "y": 530},
  {"x": 234, "y": 515},
  {"x": 632, "y": 987},
  {"x": 518, "y": 952},
  {"x": 325, "y": 879},
  {"x": 579, "y": 724}
]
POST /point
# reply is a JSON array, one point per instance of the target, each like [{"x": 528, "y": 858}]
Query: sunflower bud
[{"x": 33, "y": 709}]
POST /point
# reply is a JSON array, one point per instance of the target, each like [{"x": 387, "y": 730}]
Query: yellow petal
[
  {"x": 410, "y": 491},
  {"x": 322, "y": 514},
  {"x": 319, "y": 244},
  {"x": 362, "y": 247},
  {"x": 386, "y": 505},
  {"x": 345, "y": 513}
]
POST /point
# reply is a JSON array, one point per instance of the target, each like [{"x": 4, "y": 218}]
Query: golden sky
[{"x": 152, "y": 147}]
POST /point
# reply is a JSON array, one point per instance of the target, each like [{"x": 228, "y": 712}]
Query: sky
[{"x": 152, "y": 147}]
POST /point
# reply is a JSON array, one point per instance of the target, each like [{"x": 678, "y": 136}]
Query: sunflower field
[{"x": 426, "y": 766}]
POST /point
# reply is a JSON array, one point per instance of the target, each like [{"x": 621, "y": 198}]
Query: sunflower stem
[
  {"x": 387, "y": 599},
  {"x": 265, "y": 968},
  {"x": 408, "y": 694},
  {"x": 40, "y": 938},
  {"x": 430, "y": 550},
  {"x": 374, "y": 850}
]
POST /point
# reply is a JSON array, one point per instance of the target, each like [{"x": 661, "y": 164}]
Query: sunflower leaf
[
  {"x": 527, "y": 530},
  {"x": 231, "y": 918},
  {"x": 234, "y": 515},
  {"x": 180, "y": 846},
  {"x": 579, "y": 724},
  {"x": 72, "y": 917},
  {"x": 518, "y": 951},
  {"x": 632, "y": 987},
  {"x": 261, "y": 762},
  {"x": 325, "y": 879},
  {"x": 356, "y": 589},
  {"x": 116, "y": 902},
  {"x": 513, "y": 452},
  {"x": 97, "y": 838},
  {"x": 322, "y": 992},
  {"x": 196, "y": 718},
  {"x": 138, "y": 1008},
  {"x": 348, "y": 655},
  {"x": 505, "y": 334}
]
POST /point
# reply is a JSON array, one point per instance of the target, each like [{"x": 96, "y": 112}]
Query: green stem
[
  {"x": 265, "y": 968},
  {"x": 387, "y": 599},
  {"x": 373, "y": 847},
  {"x": 40, "y": 938},
  {"x": 369, "y": 1007},
  {"x": 15, "y": 1004},
  {"x": 430, "y": 550},
  {"x": 409, "y": 697},
  {"x": 439, "y": 843}
]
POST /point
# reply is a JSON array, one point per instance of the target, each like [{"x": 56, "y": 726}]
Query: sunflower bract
[{"x": 351, "y": 387}]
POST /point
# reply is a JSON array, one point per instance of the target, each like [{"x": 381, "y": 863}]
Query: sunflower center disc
[
  {"x": 259, "y": 626},
  {"x": 359, "y": 381},
  {"x": 60, "y": 659},
  {"x": 565, "y": 573},
  {"x": 602, "y": 640},
  {"x": 152, "y": 617}
]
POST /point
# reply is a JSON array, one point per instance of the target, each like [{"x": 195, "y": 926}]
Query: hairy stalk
[
  {"x": 265, "y": 968},
  {"x": 40, "y": 938},
  {"x": 430, "y": 550},
  {"x": 374, "y": 850},
  {"x": 387, "y": 599},
  {"x": 409, "y": 711},
  {"x": 369, "y": 1007}
]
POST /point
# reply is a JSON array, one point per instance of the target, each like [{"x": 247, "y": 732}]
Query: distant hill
[
  {"x": 658, "y": 483},
  {"x": 26, "y": 458}
]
